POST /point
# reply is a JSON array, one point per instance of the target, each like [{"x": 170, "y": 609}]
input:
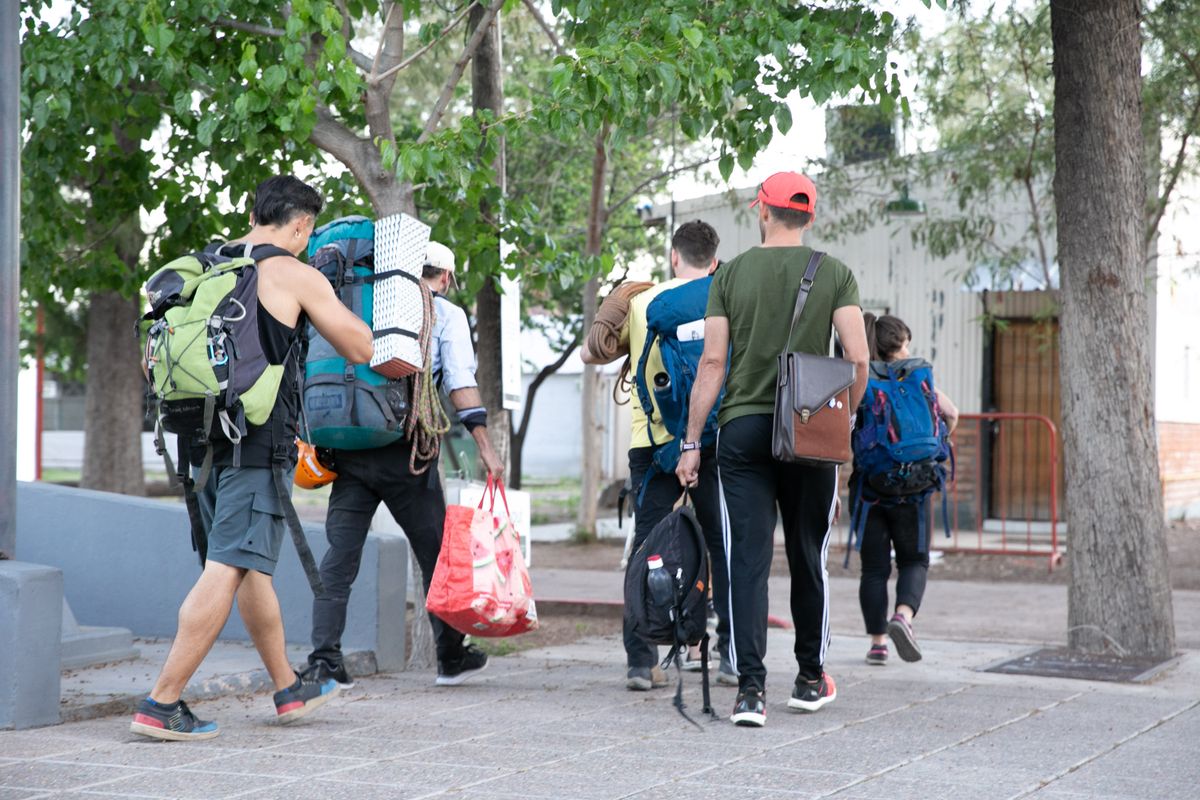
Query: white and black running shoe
[{"x": 750, "y": 710}]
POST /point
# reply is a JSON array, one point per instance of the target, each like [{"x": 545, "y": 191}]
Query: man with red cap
[{"x": 750, "y": 296}]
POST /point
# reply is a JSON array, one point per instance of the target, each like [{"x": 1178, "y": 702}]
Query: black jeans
[
  {"x": 365, "y": 478},
  {"x": 661, "y": 494},
  {"x": 888, "y": 528},
  {"x": 753, "y": 484}
]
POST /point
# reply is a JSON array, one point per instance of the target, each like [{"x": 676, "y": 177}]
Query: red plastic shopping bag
[{"x": 481, "y": 584}]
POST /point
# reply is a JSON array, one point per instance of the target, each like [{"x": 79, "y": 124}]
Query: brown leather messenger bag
[{"x": 812, "y": 398}]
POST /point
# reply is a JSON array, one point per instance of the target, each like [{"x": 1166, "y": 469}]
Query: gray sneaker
[
  {"x": 726, "y": 676},
  {"x": 643, "y": 679}
]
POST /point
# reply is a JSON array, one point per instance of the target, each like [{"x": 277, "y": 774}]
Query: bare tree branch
[
  {"x": 550, "y": 34},
  {"x": 460, "y": 66},
  {"x": 1176, "y": 169},
  {"x": 537, "y": 382},
  {"x": 391, "y": 50},
  {"x": 387, "y": 20},
  {"x": 441, "y": 37},
  {"x": 343, "y": 144},
  {"x": 665, "y": 174},
  {"x": 247, "y": 27},
  {"x": 1180, "y": 157}
]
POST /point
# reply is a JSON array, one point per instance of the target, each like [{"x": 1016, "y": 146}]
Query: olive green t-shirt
[{"x": 756, "y": 292}]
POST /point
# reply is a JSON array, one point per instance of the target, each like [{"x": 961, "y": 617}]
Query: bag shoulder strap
[{"x": 806, "y": 284}]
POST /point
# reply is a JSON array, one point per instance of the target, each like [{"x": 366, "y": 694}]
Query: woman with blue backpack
[{"x": 901, "y": 446}]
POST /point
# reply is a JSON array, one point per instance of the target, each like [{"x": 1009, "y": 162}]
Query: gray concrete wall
[
  {"x": 128, "y": 562},
  {"x": 31, "y": 597}
]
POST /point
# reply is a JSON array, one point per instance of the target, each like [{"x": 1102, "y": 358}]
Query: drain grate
[{"x": 1059, "y": 662}]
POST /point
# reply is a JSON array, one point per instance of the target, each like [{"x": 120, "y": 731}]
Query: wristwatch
[{"x": 685, "y": 446}]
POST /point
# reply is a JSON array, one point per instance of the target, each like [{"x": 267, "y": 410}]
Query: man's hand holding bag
[{"x": 812, "y": 398}]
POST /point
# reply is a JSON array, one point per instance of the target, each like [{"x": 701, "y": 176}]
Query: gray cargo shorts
[{"x": 243, "y": 517}]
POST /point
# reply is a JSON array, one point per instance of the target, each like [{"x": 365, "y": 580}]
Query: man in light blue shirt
[
  {"x": 414, "y": 497},
  {"x": 454, "y": 354}
]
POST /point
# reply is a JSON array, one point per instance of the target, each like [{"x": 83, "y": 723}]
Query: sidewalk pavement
[{"x": 558, "y": 723}]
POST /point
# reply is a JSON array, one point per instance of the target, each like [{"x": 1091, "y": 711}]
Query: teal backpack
[{"x": 349, "y": 406}]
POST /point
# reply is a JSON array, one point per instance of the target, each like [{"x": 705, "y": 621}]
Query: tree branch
[
  {"x": 391, "y": 49},
  {"x": 660, "y": 176},
  {"x": 535, "y": 384},
  {"x": 545, "y": 26},
  {"x": 422, "y": 51},
  {"x": 248, "y": 27},
  {"x": 1180, "y": 157},
  {"x": 460, "y": 66},
  {"x": 387, "y": 20},
  {"x": 340, "y": 142}
]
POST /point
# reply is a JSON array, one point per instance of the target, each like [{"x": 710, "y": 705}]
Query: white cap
[{"x": 439, "y": 256}]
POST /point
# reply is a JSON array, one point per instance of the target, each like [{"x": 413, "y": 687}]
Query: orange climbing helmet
[{"x": 310, "y": 472}]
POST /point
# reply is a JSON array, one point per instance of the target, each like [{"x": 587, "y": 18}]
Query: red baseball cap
[{"x": 779, "y": 189}]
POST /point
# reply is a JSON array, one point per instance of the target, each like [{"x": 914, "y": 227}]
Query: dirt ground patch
[
  {"x": 1183, "y": 542},
  {"x": 553, "y": 630}
]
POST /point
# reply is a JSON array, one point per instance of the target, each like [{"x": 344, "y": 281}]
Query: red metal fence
[{"x": 1005, "y": 495}]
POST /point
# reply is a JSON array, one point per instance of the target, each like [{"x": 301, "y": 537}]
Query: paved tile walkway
[{"x": 557, "y": 723}]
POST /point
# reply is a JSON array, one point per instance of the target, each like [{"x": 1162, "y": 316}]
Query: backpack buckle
[{"x": 804, "y": 415}]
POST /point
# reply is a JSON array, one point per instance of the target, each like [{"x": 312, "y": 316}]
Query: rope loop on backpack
[{"x": 427, "y": 420}]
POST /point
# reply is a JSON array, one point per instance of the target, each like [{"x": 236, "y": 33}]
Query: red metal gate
[{"x": 1005, "y": 495}]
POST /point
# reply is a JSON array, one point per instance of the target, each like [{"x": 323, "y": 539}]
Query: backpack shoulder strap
[
  {"x": 297, "y": 530},
  {"x": 264, "y": 251},
  {"x": 806, "y": 284},
  {"x": 258, "y": 252}
]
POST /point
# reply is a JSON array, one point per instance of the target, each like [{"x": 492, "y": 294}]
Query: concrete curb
[{"x": 359, "y": 663}]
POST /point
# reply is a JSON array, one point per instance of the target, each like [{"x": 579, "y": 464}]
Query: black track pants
[
  {"x": 890, "y": 527},
  {"x": 753, "y": 485}
]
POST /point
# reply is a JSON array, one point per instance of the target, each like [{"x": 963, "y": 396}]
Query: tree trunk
[
  {"x": 589, "y": 489},
  {"x": 1117, "y": 554},
  {"x": 487, "y": 93},
  {"x": 112, "y": 447}
]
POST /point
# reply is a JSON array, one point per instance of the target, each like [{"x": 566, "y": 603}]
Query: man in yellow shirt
[{"x": 693, "y": 257}]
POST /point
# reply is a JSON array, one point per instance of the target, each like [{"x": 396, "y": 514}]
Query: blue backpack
[
  {"x": 675, "y": 320},
  {"x": 901, "y": 445},
  {"x": 349, "y": 406}
]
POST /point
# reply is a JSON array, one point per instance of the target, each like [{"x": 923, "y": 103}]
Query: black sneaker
[
  {"x": 901, "y": 633},
  {"x": 322, "y": 670},
  {"x": 877, "y": 655},
  {"x": 453, "y": 671},
  {"x": 307, "y": 693},
  {"x": 174, "y": 722},
  {"x": 750, "y": 710},
  {"x": 812, "y": 696}
]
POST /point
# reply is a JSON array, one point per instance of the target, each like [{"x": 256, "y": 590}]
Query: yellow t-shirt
[{"x": 634, "y": 334}]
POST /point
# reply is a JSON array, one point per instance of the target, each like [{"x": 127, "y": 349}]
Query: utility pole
[{"x": 10, "y": 268}]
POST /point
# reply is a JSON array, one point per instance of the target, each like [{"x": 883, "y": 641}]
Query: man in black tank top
[{"x": 241, "y": 505}]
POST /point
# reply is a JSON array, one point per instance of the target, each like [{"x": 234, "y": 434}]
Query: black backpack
[{"x": 679, "y": 540}]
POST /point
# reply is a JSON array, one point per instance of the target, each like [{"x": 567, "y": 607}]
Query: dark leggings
[{"x": 888, "y": 528}]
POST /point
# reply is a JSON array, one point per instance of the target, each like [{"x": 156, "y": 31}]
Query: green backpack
[{"x": 206, "y": 367}]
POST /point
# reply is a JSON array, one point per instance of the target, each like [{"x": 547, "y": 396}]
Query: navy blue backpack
[
  {"x": 675, "y": 320},
  {"x": 901, "y": 445}
]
